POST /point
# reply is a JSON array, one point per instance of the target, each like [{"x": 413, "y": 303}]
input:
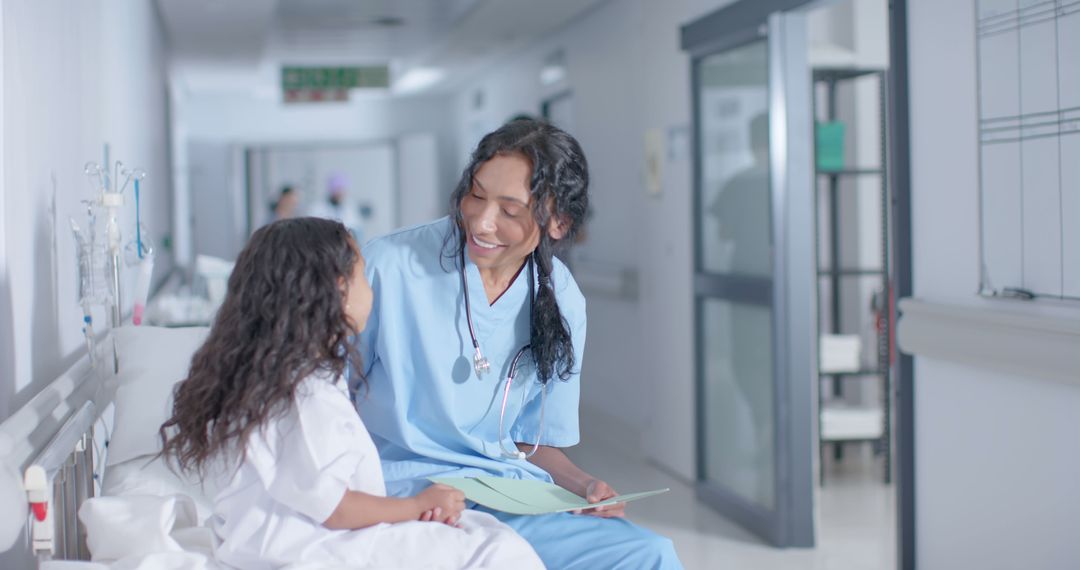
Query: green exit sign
[{"x": 330, "y": 83}]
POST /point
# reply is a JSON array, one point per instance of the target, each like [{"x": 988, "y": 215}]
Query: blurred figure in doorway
[
  {"x": 337, "y": 206},
  {"x": 285, "y": 206}
]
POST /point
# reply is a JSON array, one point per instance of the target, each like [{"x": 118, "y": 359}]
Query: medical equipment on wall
[
  {"x": 142, "y": 289},
  {"x": 92, "y": 289},
  {"x": 99, "y": 250},
  {"x": 481, "y": 365},
  {"x": 140, "y": 252}
]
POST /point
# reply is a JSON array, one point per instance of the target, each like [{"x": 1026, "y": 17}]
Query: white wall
[
  {"x": 6, "y": 323},
  {"x": 218, "y": 216},
  {"x": 420, "y": 196},
  {"x": 75, "y": 75},
  {"x": 997, "y": 461},
  {"x": 627, "y": 75},
  {"x": 68, "y": 88}
]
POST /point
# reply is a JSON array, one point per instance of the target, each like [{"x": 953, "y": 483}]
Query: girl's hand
[
  {"x": 444, "y": 502},
  {"x": 426, "y": 516},
  {"x": 597, "y": 491}
]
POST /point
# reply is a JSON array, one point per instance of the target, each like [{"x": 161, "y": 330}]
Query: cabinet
[{"x": 854, "y": 292}]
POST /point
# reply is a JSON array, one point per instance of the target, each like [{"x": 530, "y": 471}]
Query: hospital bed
[{"x": 93, "y": 432}]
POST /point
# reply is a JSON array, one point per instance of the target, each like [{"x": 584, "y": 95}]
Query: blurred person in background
[
  {"x": 337, "y": 206},
  {"x": 286, "y": 204}
]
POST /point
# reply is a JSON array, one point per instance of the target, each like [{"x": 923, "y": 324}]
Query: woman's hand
[
  {"x": 441, "y": 503},
  {"x": 597, "y": 491},
  {"x": 571, "y": 477}
]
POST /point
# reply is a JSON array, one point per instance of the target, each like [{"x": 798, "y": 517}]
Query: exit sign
[{"x": 314, "y": 84}]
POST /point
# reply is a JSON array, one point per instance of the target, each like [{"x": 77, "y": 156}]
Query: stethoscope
[{"x": 481, "y": 365}]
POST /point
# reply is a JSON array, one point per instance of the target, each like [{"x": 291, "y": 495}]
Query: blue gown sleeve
[{"x": 560, "y": 427}]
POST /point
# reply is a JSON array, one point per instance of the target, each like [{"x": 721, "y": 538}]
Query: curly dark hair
[
  {"x": 282, "y": 320},
  {"x": 559, "y": 190}
]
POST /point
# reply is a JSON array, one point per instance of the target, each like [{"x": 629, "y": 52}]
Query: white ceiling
[
  {"x": 373, "y": 29},
  {"x": 221, "y": 30},
  {"x": 231, "y": 45}
]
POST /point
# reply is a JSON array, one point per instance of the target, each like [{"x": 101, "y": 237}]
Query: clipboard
[{"x": 529, "y": 497}]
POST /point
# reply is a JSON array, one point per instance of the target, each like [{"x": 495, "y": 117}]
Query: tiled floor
[{"x": 857, "y": 516}]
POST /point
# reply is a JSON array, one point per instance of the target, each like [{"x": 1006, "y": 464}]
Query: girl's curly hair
[{"x": 282, "y": 320}]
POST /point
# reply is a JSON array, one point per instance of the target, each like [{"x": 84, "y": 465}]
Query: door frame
[
  {"x": 898, "y": 114},
  {"x": 793, "y": 287},
  {"x": 733, "y": 23}
]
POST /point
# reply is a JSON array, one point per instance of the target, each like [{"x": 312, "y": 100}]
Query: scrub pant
[{"x": 570, "y": 542}]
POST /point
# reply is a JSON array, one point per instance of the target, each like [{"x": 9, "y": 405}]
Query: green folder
[{"x": 527, "y": 497}]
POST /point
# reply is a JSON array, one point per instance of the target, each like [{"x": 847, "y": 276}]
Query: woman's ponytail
[{"x": 552, "y": 346}]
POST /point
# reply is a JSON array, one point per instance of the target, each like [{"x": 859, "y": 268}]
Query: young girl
[{"x": 264, "y": 410}]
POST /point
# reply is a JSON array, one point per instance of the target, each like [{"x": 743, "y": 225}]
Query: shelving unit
[{"x": 840, "y": 424}]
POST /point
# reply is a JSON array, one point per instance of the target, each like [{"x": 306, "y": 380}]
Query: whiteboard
[{"x": 1029, "y": 145}]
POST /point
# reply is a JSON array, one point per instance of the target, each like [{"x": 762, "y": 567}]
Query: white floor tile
[{"x": 857, "y": 515}]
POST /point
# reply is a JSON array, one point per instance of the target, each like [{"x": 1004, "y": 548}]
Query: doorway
[
  {"x": 753, "y": 64},
  {"x": 353, "y": 183}
]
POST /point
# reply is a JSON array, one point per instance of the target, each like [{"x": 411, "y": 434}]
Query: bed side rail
[{"x": 53, "y": 448}]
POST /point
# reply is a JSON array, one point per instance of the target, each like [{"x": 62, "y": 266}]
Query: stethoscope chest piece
[{"x": 480, "y": 364}]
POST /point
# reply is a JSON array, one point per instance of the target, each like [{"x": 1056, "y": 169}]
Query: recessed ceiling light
[
  {"x": 418, "y": 79},
  {"x": 551, "y": 74},
  {"x": 554, "y": 69}
]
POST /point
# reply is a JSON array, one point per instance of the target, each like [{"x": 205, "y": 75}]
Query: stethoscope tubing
[{"x": 481, "y": 365}]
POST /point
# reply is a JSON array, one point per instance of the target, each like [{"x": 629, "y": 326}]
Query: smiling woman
[
  {"x": 523, "y": 195},
  {"x": 499, "y": 232},
  {"x": 523, "y": 177},
  {"x": 497, "y": 229}
]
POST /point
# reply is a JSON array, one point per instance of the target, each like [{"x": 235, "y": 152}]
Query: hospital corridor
[{"x": 573, "y": 284}]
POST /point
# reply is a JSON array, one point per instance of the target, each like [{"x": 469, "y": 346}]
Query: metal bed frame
[{"x": 54, "y": 439}]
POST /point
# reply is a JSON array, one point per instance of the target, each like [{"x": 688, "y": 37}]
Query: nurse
[{"x": 466, "y": 302}]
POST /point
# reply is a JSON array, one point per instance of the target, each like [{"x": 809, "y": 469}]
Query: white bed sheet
[
  {"x": 148, "y": 518},
  {"x": 148, "y": 475}
]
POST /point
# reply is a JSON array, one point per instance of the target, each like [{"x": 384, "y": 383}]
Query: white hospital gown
[{"x": 269, "y": 513}]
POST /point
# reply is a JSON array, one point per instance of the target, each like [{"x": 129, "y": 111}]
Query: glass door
[{"x": 754, "y": 334}]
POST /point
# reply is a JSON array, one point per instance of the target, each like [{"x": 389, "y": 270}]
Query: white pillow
[
  {"x": 152, "y": 361},
  {"x": 118, "y": 527}
]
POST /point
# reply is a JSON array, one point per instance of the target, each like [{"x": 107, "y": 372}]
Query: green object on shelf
[{"x": 830, "y": 146}]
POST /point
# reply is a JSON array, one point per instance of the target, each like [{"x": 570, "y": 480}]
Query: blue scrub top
[{"x": 427, "y": 411}]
